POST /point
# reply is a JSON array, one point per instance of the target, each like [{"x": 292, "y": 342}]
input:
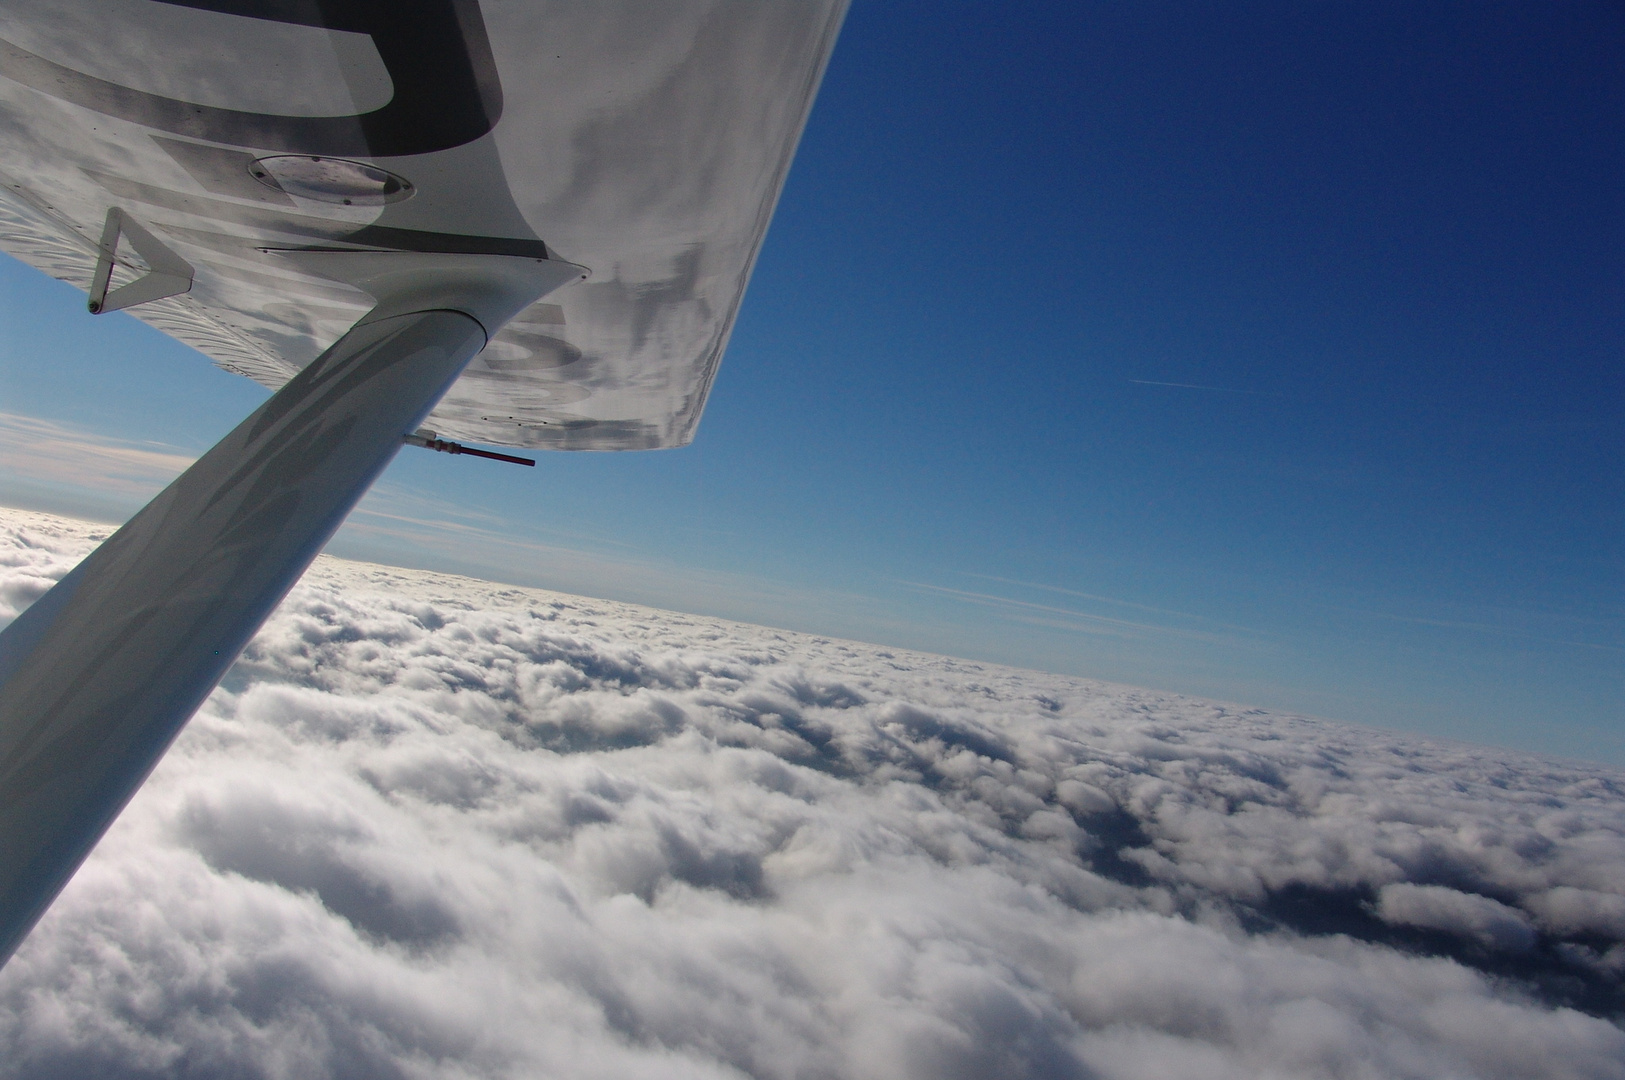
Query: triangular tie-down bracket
[{"x": 170, "y": 275}]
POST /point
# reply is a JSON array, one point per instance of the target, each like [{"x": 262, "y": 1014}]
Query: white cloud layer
[{"x": 436, "y": 827}]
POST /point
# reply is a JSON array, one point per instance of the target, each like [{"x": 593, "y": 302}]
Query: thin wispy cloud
[
  {"x": 63, "y": 467},
  {"x": 1495, "y": 629},
  {"x": 51, "y": 452},
  {"x": 1061, "y": 591},
  {"x": 376, "y": 531},
  {"x": 392, "y": 503},
  {"x": 1068, "y": 618},
  {"x": 1195, "y": 386}
]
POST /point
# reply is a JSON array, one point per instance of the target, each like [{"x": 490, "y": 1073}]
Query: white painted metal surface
[{"x": 646, "y": 140}]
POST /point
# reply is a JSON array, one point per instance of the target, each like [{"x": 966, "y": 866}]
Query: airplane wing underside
[{"x": 645, "y": 140}]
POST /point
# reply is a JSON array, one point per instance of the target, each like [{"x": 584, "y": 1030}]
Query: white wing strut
[{"x": 100, "y": 674}]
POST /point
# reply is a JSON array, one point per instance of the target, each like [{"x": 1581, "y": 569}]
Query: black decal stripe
[
  {"x": 385, "y": 236},
  {"x": 436, "y": 52},
  {"x": 335, "y": 135},
  {"x": 320, "y": 229}
]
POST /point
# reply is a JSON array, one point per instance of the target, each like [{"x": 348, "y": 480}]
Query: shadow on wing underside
[{"x": 647, "y": 142}]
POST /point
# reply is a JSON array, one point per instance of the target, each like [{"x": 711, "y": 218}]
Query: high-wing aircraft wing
[
  {"x": 520, "y": 222},
  {"x": 645, "y": 140}
]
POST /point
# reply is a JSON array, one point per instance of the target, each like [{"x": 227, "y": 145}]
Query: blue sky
[{"x": 1269, "y": 352}]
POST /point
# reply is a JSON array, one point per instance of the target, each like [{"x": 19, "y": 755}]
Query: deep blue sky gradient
[{"x": 1388, "y": 239}]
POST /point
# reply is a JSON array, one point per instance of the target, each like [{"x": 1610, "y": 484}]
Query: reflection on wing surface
[{"x": 645, "y": 141}]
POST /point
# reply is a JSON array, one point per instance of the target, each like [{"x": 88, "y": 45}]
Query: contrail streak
[{"x": 1192, "y": 386}]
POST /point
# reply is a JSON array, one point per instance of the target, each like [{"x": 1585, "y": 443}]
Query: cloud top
[{"x": 437, "y": 827}]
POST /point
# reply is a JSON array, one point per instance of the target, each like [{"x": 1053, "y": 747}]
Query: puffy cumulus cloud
[
  {"x": 436, "y": 827},
  {"x": 36, "y": 550},
  {"x": 1493, "y": 924}
]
